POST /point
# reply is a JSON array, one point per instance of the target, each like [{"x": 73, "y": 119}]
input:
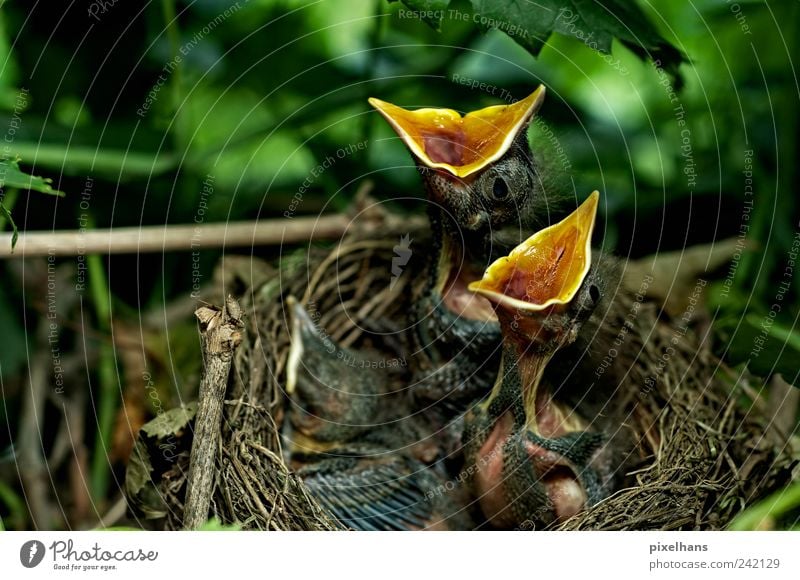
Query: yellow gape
[{"x": 443, "y": 139}]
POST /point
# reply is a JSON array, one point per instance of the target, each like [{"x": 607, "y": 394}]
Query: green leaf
[
  {"x": 788, "y": 337},
  {"x": 78, "y": 160},
  {"x": 767, "y": 346},
  {"x": 217, "y": 117},
  {"x": 214, "y": 525},
  {"x": 765, "y": 513},
  {"x": 594, "y": 22},
  {"x": 170, "y": 422},
  {"x": 14, "y": 505},
  {"x": 140, "y": 488},
  {"x": 119, "y": 529},
  {"x": 431, "y": 11},
  {"x": 780, "y": 350},
  {"x": 528, "y": 24},
  {"x": 12, "y": 176}
]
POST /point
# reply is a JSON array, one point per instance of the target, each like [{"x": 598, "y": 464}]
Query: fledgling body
[
  {"x": 532, "y": 458},
  {"x": 486, "y": 193}
]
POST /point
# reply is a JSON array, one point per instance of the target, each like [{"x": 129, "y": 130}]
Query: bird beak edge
[
  {"x": 548, "y": 268},
  {"x": 443, "y": 139}
]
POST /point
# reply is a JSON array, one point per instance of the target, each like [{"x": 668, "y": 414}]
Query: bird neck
[
  {"x": 451, "y": 313},
  {"x": 435, "y": 218},
  {"x": 517, "y": 386}
]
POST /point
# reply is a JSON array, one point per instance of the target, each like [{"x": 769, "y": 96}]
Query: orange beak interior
[
  {"x": 443, "y": 139},
  {"x": 546, "y": 269}
]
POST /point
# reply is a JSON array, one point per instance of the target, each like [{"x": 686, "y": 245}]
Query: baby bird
[
  {"x": 532, "y": 459},
  {"x": 478, "y": 169},
  {"x": 371, "y": 461},
  {"x": 484, "y": 188},
  {"x": 336, "y": 394},
  {"x": 371, "y": 488}
]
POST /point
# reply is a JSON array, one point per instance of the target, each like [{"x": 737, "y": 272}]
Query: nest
[
  {"x": 702, "y": 445},
  {"x": 706, "y": 447}
]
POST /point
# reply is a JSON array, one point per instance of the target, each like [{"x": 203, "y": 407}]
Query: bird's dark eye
[
  {"x": 499, "y": 188},
  {"x": 594, "y": 293}
]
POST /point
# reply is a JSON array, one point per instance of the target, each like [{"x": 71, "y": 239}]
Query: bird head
[
  {"x": 477, "y": 167},
  {"x": 480, "y": 177},
  {"x": 542, "y": 291}
]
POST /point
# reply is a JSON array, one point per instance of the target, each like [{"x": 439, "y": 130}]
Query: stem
[
  {"x": 6, "y": 205},
  {"x": 106, "y": 374},
  {"x": 173, "y": 35},
  {"x": 185, "y": 237},
  {"x": 8, "y": 201}
]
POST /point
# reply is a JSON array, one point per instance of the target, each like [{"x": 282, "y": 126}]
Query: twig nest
[{"x": 699, "y": 455}]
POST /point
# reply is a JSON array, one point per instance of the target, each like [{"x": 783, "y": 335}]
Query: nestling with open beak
[
  {"x": 479, "y": 167},
  {"x": 532, "y": 459},
  {"x": 482, "y": 182}
]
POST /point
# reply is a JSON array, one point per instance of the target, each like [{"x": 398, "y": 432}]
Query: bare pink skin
[
  {"x": 563, "y": 488},
  {"x": 467, "y": 304},
  {"x": 565, "y": 492},
  {"x": 489, "y": 478}
]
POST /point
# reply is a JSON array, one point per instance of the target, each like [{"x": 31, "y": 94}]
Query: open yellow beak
[
  {"x": 443, "y": 139},
  {"x": 546, "y": 269}
]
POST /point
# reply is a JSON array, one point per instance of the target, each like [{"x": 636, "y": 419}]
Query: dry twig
[{"x": 221, "y": 334}]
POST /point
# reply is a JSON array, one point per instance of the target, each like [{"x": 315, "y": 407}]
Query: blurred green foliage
[
  {"x": 150, "y": 100},
  {"x": 772, "y": 512}
]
